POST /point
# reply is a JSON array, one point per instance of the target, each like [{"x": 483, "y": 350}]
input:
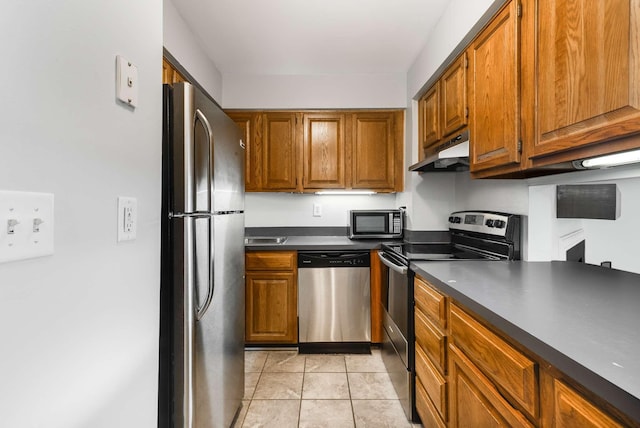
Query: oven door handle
[{"x": 388, "y": 263}]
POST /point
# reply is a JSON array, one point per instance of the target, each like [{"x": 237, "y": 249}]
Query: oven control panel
[{"x": 487, "y": 222}]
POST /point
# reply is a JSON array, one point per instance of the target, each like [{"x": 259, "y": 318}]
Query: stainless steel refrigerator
[{"x": 201, "y": 373}]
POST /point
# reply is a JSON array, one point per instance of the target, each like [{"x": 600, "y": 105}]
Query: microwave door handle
[{"x": 388, "y": 263}]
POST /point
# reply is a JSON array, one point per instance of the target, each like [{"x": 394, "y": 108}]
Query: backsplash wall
[{"x": 294, "y": 209}]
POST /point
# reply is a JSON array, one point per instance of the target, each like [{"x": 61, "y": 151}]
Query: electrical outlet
[
  {"x": 317, "y": 210},
  {"x": 127, "y": 218}
]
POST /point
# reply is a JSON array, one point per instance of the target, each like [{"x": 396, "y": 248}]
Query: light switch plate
[
  {"x": 317, "y": 210},
  {"x": 26, "y": 225},
  {"x": 127, "y": 218},
  {"x": 126, "y": 81}
]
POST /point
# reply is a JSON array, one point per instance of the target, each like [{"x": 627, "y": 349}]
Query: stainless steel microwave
[{"x": 366, "y": 224}]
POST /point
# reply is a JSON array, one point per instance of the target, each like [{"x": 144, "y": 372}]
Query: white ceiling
[{"x": 311, "y": 37}]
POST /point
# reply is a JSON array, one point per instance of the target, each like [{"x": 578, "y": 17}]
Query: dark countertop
[
  {"x": 583, "y": 319},
  {"x": 320, "y": 243}
]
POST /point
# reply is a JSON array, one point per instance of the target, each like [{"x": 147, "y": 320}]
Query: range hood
[{"x": 453, "y": 155}]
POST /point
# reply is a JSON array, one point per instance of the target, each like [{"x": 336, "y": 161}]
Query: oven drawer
[
  {"x": 432, "y": 340},
  {"x": 433, "y": 382},
  {"x": 431, "y": 302},
  {"x": 509, "y": 369}
]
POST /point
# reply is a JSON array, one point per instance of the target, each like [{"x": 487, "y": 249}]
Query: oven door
[
  {"x": 397, "y": 321},
  {"x": 396, "y": 304}
]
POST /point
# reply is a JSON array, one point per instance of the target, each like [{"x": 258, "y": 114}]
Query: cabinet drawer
[
  {"x": 510, "y": 370},
  {"x": 431, "y": 339},
  {"x": 434, "y": 384},
  {"x": 425, "y": 408},
  {"x": 475, "y": 402},
  {"x": 431, "y": 302},
  {"x": 270, "y": 260}
]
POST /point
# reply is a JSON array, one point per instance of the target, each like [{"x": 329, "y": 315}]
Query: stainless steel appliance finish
[
  {"x": 366, "y": 224},
  {"x": 201, "y": 378},
  {"x": 475, "y": 235},
  {"x": 334, "y": 302},
  {"x": 452, "y": 155}
]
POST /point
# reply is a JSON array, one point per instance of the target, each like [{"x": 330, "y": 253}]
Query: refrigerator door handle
[
  {"x": 207, "y": 127},
  {"x": 200, "y": 116},
  {"x": 210, "y": 287}
]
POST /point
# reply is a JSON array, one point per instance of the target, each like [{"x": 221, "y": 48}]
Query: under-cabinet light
[
  {"x": 606, "y": 161},
  {"x": 346, "y": 192}
]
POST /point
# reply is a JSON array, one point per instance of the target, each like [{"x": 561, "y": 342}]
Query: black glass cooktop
[{"x": 432, "y": 252}]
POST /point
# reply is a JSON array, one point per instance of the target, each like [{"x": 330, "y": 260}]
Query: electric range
[{"x": 475, "y": 235}]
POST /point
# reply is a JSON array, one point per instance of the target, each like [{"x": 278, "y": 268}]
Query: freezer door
[
  {"x": 219, "y": 331},
  {"x": 228, "y": 157}
]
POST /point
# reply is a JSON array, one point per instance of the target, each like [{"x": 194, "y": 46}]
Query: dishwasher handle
[{"x": 391, "y": 265}]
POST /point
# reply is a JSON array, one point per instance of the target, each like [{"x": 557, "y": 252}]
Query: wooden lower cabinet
[
  {"x": 474, "y": 400},
  {"x": 483, "y": 379},
  {"x": 271, "y": 298}
]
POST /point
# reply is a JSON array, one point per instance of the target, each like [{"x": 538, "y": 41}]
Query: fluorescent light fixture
[
  {"x": 616, "y": 159},
  {"x": 346, "y": 192}
]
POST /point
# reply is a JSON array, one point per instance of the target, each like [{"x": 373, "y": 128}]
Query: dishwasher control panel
[{"x": 334, "y": 259}]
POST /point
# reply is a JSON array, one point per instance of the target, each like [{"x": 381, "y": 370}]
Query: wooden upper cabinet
[
  {"x": 324, "y": 151},
  {"x": 169, "y": 73},
  {"x": 250, "y": 125},
  {"x": 373, "y": 152},
  {"x": 279, "y": 152},
  {"x": 588, "y": 73},
  {"x": 429, "y": 112},
  {"x": 495, "y": 96},
  {"x": 453, "y": 84}
]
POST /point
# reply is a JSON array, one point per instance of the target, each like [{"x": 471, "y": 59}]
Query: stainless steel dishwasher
[{"x": 334, "y": 302}]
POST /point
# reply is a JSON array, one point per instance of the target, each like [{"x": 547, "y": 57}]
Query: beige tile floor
[{"x": 285, "y": 389}]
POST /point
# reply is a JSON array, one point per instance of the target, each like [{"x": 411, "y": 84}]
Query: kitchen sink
[{"x": 265, "y": 240}]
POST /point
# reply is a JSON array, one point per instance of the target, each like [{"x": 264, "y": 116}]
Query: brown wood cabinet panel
[
  {"x": 378, "y": 274},
  {"x": 271, "y": 260},
  {"x": 588, "y": 73},
  {"x": 169, "y": 73},
  {"x": 495, "y": 95},
  {"x": 373, "y": 151},
  {"x": 571, "y": 410},
  {"x": 454, "y": 96},
  {"x": 511, "y": 371},
  {"x": 432, "y": 340},
  {"x": 324, "y": 151},
  {"x": 426, "y": 410},
  {"x": 431, "y": 302},
  {"x": 250, "y": 125},
  {"x": 433, "y": 382},
  {"x": 279, "y": 152},
  {"x": 271, "y": 302},
  {"x": 429, "y": 111},
  {"x": 474, "y": 401}
]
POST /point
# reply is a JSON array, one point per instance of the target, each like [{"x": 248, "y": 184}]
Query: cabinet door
[
  {"x": 324, "y": 151},
  {"x": 495, "y": 102},
  {"x": 279, "y": 152},
  {"x": 429, "y": 111},
  {"x": 474, "y": 401},
  {"x": 373, "y": 151},
  {"x": 588, "y": 73},
  {"x": 250, "y": 126},
  {"x": 271, "y": 302},
  {"x": 454, "y": 96},
  {"x": 571, "y": 410}
]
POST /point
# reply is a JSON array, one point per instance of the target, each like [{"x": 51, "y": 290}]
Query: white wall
[
  {"x": 79, "y": 328},
  {"x": 185, "y": 47},
  {"x": 286, "y": 209},
  {"x": 316, "y": 91},
  {"x": 606, "y": 240}
]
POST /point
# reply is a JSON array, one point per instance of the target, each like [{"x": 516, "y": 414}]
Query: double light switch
[{"x": 26, "y": 225}]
